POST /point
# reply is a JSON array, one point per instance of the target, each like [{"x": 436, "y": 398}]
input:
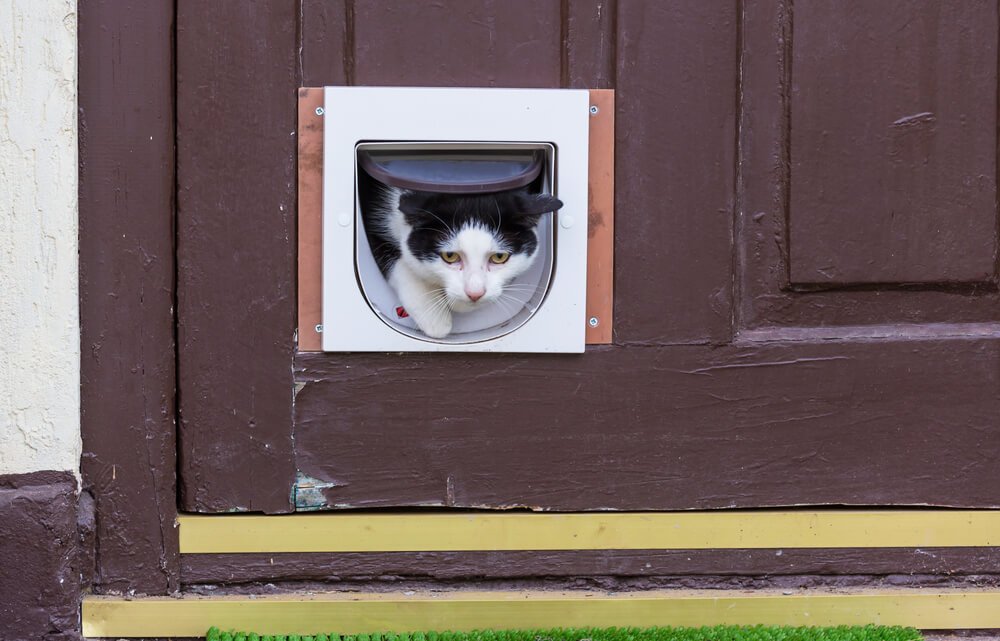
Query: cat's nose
[{"x": 475, "y": 294}]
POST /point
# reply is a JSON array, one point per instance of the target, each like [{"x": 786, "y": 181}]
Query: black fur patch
[
  {"x": 385, "y": 251},
  {"x": 435, "y": 217}
]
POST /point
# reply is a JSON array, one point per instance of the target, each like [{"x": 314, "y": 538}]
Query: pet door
[
  {"x": 461, "y": 169},
  {"x": 455, "y": 141}
]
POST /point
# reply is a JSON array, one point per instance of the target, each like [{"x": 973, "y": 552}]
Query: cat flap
[{"x": 454, "y": 172}]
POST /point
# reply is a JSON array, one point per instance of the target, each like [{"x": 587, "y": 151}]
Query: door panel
[
  {"x": 819, "y": 154},
  {"x": 893, "y": 142},
  {"x": 775, "y": 345}
]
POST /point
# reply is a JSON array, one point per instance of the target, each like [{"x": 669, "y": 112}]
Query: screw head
[
  {"x": 319, "y": 111},
  {"x": 594, "y": 110},
  {"x": 319, "y": 329},
  {"x": 594, "y": 321}
]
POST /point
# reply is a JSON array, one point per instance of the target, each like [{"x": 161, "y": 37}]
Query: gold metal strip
[
  {"x": 348, "y": 613},
  {"x": 588, "y": 531}
]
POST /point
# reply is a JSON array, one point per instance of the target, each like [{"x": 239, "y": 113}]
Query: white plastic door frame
[{"x": 355, "y": 114}]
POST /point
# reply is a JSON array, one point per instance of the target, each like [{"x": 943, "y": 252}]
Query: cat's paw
[{"x": 438, "y": 326}]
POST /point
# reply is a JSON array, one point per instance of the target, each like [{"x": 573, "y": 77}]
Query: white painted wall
[{"x": 39, "y": 310}]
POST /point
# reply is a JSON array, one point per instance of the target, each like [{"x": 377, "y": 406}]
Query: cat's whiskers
[
  {"x": 496, "y": 203},
  {"x": 439, "y": 306},
  {"x": 527, "y": 290},
  {"x": 512, "y": 310},
  {"x": 505, "y": 299},
  {"x": 434, "y": 301},
  {"x": 515, "y": 298},
  {"x": 432, "y": 293}
]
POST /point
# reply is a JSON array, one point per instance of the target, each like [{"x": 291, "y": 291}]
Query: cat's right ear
[{"x": 536, "y": 204}]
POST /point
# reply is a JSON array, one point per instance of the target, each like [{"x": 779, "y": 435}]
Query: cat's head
[{"x": 474, "y": 245}]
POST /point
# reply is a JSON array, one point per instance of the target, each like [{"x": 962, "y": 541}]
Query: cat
[{"x": 445, "y": 253}]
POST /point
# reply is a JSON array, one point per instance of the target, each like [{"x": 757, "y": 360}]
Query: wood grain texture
[
  {"x": 601, "y": 219},
  {"x": 236, "y": 101},
  {"x": 902, "y": 422},
  {"x": 262, "y": 568},
  {"x": 893, "y": 142},
  {"x": 675, "y": 170},
  {"x": 310, "y": 220},
  {"x": 589, "y": 46},
  {"x": 766, "y": 297},
  {"x": 326, "y": 53},
  {"x": 651, "y": 423},
  {"x": 458, "y": 43},
  {"x": 126, "y": 290}
]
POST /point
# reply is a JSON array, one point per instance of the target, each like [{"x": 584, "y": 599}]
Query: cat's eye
[
  {"x": 499, "y": 258},
  {"x": 450, "y": 257}
]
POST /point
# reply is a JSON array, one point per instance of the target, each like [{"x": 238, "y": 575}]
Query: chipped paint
[{"x": 308, "y": 492}]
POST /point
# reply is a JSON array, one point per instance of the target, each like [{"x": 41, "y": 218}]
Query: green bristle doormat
[{"x": 716, "y": 633}]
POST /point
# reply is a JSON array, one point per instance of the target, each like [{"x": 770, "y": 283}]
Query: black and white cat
[{"x": 445, "y": 253}]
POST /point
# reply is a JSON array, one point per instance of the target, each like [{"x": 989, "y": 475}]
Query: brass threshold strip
[
  {"x": 409, "y": 532},
  {"x": 352, "y": 613}
]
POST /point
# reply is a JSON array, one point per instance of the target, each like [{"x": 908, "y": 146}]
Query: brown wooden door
[{"x": 806, "y": 307}]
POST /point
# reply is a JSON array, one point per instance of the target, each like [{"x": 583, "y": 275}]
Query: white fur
[{"x": 431, "y": 291}]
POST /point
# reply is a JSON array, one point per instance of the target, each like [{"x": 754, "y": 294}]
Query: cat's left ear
[
  {"x": 537, "y": 204},
  {"x": 413, "y": 204}
]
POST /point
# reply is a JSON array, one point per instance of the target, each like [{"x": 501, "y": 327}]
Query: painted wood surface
[
  {"x": 589, "y": 44},
  {"x": 127, "y": 290},
  {"x": 852, "y": 422},
  {"x": 676, "y": 84},
  {"x": 609, "y": 569},
  {"x": 772, "y": 120},
  {"x": 893, "y": 154},
  {"x": 729, "y": 382},
  {"x": 237, "y": 76},
  {"x": 516, "y": 44}
]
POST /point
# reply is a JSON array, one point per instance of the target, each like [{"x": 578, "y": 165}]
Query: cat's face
[{"x": 472, "y": 246}]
